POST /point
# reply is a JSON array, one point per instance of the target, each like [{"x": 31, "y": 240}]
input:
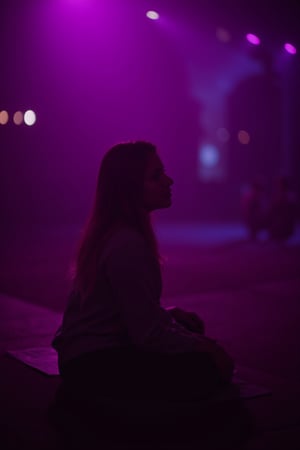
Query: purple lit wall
[{"x": 97, "y": 72}]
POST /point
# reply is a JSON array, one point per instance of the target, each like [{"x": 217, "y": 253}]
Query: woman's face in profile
[{"x": 157, "y": 185}]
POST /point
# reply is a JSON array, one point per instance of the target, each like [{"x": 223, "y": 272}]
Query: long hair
[{"x": 118, "y": 202}]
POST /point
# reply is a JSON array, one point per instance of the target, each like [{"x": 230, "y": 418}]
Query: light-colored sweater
[{"x": 124, "y": 309}]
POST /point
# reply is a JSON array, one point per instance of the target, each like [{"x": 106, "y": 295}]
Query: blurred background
[{"x": 214, "y": 84}]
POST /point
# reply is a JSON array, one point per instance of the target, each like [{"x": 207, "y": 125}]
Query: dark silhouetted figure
[
  {"x": 283, "y": 213},
  {"x": 254, "y": 209},
  {"x": 125, "y": 360}
]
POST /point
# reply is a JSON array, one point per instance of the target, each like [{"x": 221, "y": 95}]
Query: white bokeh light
[
  {"x": 30, "y": 117},
  {"x": 153, "y": 15},
  {"x": 209, "y": 155}
]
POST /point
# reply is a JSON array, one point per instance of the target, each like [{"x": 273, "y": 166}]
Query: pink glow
[
  {"x": 253, "y": 39},
  {"x": 290, "y": 49}
]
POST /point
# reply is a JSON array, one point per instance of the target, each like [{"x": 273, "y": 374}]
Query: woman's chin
[{"x": 167, "y": 203}]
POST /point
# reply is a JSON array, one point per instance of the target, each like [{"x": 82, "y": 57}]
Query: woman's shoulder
[{"x": 127, "y": 250}]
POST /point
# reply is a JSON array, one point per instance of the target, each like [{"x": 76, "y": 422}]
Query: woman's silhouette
[{"x": 116, "y": 341}]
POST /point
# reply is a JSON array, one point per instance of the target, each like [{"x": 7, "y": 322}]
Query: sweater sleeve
[{"x": 130, "y": 272}]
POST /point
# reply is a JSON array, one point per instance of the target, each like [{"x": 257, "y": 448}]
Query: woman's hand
[
  {"x": 190, "y": 320},
  {"x": 223, "y": 362}
]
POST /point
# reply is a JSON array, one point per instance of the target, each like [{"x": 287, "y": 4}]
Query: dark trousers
[
  {"x": 139, "y": 392},
  {"x": 135, "y": 375}
]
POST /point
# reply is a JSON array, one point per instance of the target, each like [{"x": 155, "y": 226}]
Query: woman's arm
[
  {"x": 135, "y": 284},
  {"x": 190, "y": 320}
]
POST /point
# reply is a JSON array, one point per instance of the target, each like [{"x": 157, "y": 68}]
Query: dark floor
[{"x": 247, "y": 293}]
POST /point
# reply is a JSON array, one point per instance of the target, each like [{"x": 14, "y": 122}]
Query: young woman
[{"x": 116, "y": 340}]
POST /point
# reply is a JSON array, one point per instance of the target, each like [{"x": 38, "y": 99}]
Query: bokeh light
[
  {"x": 30, "y": 117},
  {"x": 244, "y": 137},
  {"x": 223, "y": 134},
  {"x": 223, "y": 35},
  {"x": 290, "y": 48},
  {"x": 209, "y": 155},
  {"x": 153, "y": 15},
  {"x": 253, "y": 39},
  {"x": 18, "y": 118},
  {"x": 4, "y": 117}
]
